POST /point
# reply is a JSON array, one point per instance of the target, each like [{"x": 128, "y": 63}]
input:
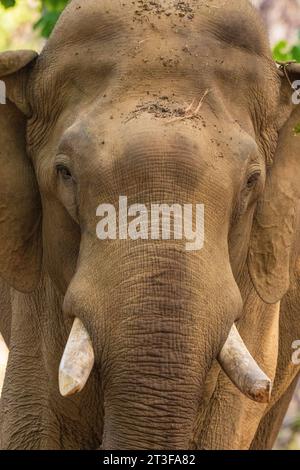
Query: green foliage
[
  {"x": 50, "y": 12},
  {"x": 296, "y": 132},
  {"x": 8, "y": 3},
  {"x": 284, "y": 52}
]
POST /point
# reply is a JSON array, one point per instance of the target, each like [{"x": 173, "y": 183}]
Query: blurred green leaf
[
  {"x": 297, "y": 131},
  {"x": 285, "y": 52},
  {"x": 47, "y": 22},
  {"x": 8, "y": 3},
  {"x": 296, "y": 53},
  {"x": 51, "y": 10},
  {"x": 282, "y": 51}
]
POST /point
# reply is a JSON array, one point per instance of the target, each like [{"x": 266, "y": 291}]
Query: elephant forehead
[
  {"x": 116, "y": 31},
  {"x": 112, "y": 51}
]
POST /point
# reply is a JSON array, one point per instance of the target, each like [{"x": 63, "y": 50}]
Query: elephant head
[{"x": 163, "y": 106}]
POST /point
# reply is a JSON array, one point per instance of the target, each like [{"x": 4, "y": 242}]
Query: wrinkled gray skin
[{"x": 101, "y": 113}]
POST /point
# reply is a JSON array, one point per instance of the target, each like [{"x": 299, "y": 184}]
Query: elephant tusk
[
  {"x": 77, "y": 360},
  {"x": 242, "y": 369}
]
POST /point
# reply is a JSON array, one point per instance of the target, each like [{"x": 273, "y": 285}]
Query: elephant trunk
[
  {"x": 153, "y": 386},
  {"x": 161, "y": 346},
  {"x": 160, "y": 334}
]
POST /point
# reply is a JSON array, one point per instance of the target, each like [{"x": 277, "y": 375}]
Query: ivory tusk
[
  {"x": 77, "y": 360},
  {"x": 242, "y": 369}
]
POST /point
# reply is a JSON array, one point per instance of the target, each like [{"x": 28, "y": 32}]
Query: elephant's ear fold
[
  {"x": 274, "y": 227},
  {"x": 20, "y": 209}
]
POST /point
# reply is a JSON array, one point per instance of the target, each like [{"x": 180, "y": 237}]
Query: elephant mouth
[{"x": 236, "y": 361}]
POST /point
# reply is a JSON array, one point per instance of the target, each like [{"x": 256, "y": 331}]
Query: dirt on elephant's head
[{"x": 167, "y": 8}]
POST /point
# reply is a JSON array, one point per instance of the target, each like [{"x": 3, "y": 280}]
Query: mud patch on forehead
[
  {"x": 164, "y": 107},
  {"x": 169, "y": 8},
  {"x": 168, "y": 108},
  {"x": 184, "y": 8}
]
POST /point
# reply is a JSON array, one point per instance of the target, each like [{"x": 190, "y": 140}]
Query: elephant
[{"x": 121, "y": 343}]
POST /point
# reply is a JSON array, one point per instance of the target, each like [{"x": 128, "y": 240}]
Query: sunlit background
[{"x": 25, "y": 24}]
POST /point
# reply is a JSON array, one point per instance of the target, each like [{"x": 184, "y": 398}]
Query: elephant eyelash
[
  {"x": 253, "y": 179},
  {"x": 246, "y": 193},
  {"x": 64, "y": 172}
]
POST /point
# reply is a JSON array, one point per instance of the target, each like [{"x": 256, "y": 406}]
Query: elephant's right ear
[
  {"x": 20, "y": 207},
  {"x": 275, "y": 222}
]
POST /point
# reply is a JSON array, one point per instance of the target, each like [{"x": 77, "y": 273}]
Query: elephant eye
[
  {"x": 64, "y": 172},
  {"x": 253, "y": 179}
]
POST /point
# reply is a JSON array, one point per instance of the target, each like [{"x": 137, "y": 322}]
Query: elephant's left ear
[
  {"x": 274, "y": 227},
  {"x": 20, "y": 208}
]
